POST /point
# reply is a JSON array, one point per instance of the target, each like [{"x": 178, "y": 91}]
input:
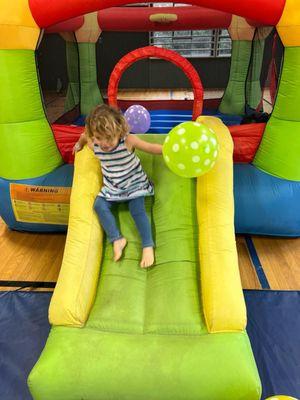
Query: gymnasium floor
[{"x": 31, "y": 257}]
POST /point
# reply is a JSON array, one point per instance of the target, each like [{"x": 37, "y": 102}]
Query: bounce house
[
  {"x": 35, "y": 187},
  {"x": 177, "y": 330}
]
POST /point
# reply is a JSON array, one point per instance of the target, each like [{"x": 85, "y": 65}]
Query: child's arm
[
  {"x": 83, "y": 140},
  {"x": 134, "y": 142}
]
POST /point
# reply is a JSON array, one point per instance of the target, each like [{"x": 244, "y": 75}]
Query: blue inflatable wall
[{"x": 264, "y": 204}]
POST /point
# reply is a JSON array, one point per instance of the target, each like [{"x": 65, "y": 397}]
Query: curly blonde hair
[{"x": 107, "y": 123}]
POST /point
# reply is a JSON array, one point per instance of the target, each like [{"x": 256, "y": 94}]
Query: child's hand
[
  {"x": 135, "y": 142},
  {"x": 77, "y": 147},
  {"x": 80, "y": 143}
]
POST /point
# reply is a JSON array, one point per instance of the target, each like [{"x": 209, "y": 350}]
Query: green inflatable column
[
  {"x": 27, "y": 147},
  {"x": 90, "y": 94},
  {"x": 234, "y": 98},
  {"x": 243, "y": 86},
  {"x": 279, "y": 151},
  {"x": 87, "y": 36},
  {"x": 73, "y": 91},
  {"x": 253, "y": 86}
]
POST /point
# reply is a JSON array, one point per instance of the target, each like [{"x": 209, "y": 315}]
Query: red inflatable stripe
[
  {"x": 246, "y": 140},
  {"x": 66, "y": 136},
  {"x": 136, "y": 19},
  {"x": 71, "y": 25}
]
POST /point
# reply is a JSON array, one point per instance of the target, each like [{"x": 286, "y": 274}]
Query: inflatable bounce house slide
[
  {"x": 177, "y": 330},
  {"x": 173, "y": 332}
]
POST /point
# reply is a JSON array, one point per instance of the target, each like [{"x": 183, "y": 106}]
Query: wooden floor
[
  {"x": 37, "y": 257},
  {"x": 55, "y": 102},
  {"x": 29, "y": 256}
]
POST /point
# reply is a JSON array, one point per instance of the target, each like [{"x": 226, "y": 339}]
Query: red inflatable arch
[
  {"x": 49, "y": 13},
  {"x": 165, "y": 54}
]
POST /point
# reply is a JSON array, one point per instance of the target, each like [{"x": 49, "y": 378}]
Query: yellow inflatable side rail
[
  {"x": 222, "y": 296},
  {"x": 77, "y": 283}
]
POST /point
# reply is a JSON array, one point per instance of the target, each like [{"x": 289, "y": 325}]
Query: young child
[{"x": 107, "y": 134}]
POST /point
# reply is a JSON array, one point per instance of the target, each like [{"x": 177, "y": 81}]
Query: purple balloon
[{"x": 138, "y": 119}]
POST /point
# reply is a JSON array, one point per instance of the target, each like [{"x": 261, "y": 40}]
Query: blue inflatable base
[
  {"x": 162, "y": 121},
  {"x": 264, "y": 204},
  {"x": 62, "y": 176}
]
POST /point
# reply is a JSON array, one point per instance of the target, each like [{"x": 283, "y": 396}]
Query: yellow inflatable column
[
  {"x": 239, "y": 29},
  {"x": 288, "y": 26},
  {"x": 18, "y": 29},
  {"x": 222, "y": 295}
]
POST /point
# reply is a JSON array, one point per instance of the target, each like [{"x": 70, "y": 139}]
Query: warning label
[{"x": 40, "y": 204}]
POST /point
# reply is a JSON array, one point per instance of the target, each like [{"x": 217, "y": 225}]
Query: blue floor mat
[
  {"x": 273, "y": 328},
  {"x": 274, "y": 331},
  {"x": 162, "y": 121},
  {"x": 24, "y": 329}
]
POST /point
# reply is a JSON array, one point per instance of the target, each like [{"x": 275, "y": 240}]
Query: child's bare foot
[
  {"x": 147, "y": 257},
  {"x": 119, "y": 246}
]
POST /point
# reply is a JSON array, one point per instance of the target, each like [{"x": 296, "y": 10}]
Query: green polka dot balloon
[{"x": 191, "y": 149}]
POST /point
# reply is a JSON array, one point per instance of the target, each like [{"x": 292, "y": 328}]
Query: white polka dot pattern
[{"x": 194, "y": 153}]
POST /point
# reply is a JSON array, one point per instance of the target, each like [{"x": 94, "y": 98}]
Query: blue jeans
[{"x": 136, "y": 207}]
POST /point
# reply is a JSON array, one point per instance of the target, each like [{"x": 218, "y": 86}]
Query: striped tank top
[{"x": 123, "y": 175}]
